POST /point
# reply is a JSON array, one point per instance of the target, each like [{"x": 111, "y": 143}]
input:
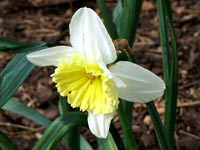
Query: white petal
[
  {"x": 99, "y": 124},
  {"x": 89, "y": 35},
  {"x": 51, "y": 56},
  {"x": 142, "y": 85},
  {"x": 118, "y": 81}
]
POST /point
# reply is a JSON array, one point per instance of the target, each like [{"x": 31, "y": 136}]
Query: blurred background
[{"x": 48, "y": 20}]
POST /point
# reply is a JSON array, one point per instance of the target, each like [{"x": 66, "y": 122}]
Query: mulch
[{"x": 48, "y": 21}]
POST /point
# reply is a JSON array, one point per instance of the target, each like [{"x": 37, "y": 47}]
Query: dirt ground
[{"x": 48, "y": 21}]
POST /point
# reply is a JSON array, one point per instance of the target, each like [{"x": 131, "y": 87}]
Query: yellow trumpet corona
[{"x": 86, "y": 85}]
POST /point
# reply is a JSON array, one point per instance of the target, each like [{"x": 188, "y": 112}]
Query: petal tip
[{"x": 99, "y": 124}]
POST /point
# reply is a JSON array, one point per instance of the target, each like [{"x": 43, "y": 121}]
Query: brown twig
[
  {"x": 189, "y": 84},
  {"x": 18, "y": 126},
  {"x": 189, "y": 134},
  {"x": 189, "y": 104}
]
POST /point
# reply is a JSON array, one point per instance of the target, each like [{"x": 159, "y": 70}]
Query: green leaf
[
  {"x": 158, "y": 126},
  {"x": 22, "y": 48},
  {"x": 59, "y": 128},
  {"x": 170, "y": 75},
  {"x": 9, "y": 43},
  {"x": 15, "y": 73},
  {"x": 129, "y": 21},
  {"x": 117, "y": 14},
  {"x": 6, "y": 143},
  {"x": 29, "y": 113},
  {"x": 164, "y": 44},
  {"x": 108, "y": 21},
  {"x": 107, "y": 144},
  {"x": 84, "y": 145}
]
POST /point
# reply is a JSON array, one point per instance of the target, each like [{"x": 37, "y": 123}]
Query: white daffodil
[{"x": 83, "y": 75}]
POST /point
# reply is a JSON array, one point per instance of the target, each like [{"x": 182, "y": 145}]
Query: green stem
[
  {"x": 125, "y": 116},
  {"x": 128, "y": 27},
  {"x": 63, "y": 105},
  {"x": 73, "y": 136},
  {"x": 116, "y": 137}
]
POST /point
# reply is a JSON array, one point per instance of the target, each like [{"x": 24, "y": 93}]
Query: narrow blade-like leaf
[
  {"x": 15, "y": 73},
  {"x": 29, "y": 113},
  {"x": 158, "y": 127},
  {"x": 129, "y": 21},
  {"x": 13, "y": 46},
  {"x": 59, "y": 128},
  {"x": 6, "y": 43},
  {"x": 6, "y": 143},
  {"x": 172, "y": 89},
  {"x": 117, "y": 14},
  {"x": 107, "y": 17}
]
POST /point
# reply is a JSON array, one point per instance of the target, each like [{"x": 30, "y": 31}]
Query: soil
[{"x": 46, "y": 20}]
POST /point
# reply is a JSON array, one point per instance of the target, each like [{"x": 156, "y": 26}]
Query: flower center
[{"x": 86, "y": 85}]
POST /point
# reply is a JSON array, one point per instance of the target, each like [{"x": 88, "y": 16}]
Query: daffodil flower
[{"x": 86, "y": 73}]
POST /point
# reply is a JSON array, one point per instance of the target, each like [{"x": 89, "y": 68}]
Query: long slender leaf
[
  {"x": 170, "y": 68},
  {"x": 29, "y": 113},
  {"x": 21, "y": 109},
  {"x": 6, "y": 143},
  {"x": 14, "y": 46},
  {"x": 158, "y": 127},
  {"x": 15, "y": 73},
  {"x": 164, "y": 44},
  {"x": 117, "y": 14},
  {"x": 21, "y": 48},
  {"x": 166, "y": 62},
  {"x": 59, "y": 128},
  {"x": 108, "y": 21},
  {"x": 6, "y": 43},
  {"x": 129, "y": 21},
  {"x": 171, "y": 102}
]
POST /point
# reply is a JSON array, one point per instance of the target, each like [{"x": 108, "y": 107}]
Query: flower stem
[
  {"x": 116, "y": 137},
  {"x": 73, "y": 136},
  {"x": 125, "y": 115}
]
